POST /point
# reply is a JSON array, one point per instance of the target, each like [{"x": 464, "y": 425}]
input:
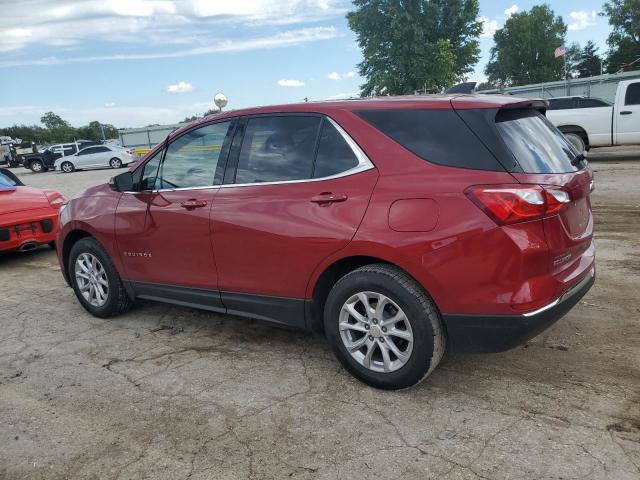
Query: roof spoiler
[
  {"x": 537, "y": 103},
  {"x": 466, "y": 87}
]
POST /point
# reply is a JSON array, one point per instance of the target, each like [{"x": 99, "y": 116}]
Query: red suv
[{"x": 399, "y": 227}]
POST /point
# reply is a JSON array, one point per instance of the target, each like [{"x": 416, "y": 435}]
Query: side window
[
  {"x": 278, "y": 148},
  {"x": 592, "y": 103},
  {"x": 191, "y": 160},
  {"x": 632, "y": 96},
  {"x": 87, "y": 151},
  {"x": 334, "y": 153},
  {"x": 150, "y": 172}
]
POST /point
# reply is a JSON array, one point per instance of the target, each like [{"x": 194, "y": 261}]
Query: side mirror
[{"x": 122, "y": 182}]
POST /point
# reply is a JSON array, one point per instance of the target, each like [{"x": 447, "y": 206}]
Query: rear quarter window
[{"x": 437, "y": 136}]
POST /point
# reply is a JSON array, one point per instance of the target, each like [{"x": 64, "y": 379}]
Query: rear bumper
[{"x": 497, "y": 333}]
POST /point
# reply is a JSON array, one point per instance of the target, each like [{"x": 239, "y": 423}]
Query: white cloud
[
  {"x": 149, "y": 22},
  {"x": 290, "y": 83},
  {"x": 489, "y": 27},
  {"x": 284, "y": 39},
  {"x": 511, "y": 10},
  {"x": 341, "y": 76},
  {"x": 180, "y": 87},
  {"x": 110, "y": 104},
  {"x": 582, "y": 19}
]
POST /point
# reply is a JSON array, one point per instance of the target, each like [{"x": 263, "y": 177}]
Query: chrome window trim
[{"x": 364, "y": 164}]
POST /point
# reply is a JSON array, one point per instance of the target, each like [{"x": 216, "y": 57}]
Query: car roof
[{"x": 435, "y": 102}]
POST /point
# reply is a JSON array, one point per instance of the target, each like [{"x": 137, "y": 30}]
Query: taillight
[{"x": 507, "y": 204}]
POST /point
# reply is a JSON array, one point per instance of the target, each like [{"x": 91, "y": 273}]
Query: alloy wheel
[
  {"x": 376, "y": 332},
  {"x": 91, "y": 278}
]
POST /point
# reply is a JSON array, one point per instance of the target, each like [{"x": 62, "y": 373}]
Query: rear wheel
[
  {"x": 115, "y": 163},
  {"x": 383, "y": 327},
  {"x": 36, "y": 166},
  {"x": 67, "y": 167},
  {"x": 96, "y": 281}
]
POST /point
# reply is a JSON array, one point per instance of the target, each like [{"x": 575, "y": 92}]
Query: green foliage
[
  {"x": 589, "y": 62},
  {"x": 415, "y": 44},
  {"x": 624, "y": 40},
  {"x": 524, "y": 47},
  {"x": 485, "y": 86},
  {"x": 57, "y": 130}
]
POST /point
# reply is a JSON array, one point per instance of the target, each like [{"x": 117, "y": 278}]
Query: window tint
[
  {"x": 191, "y": 160},
  {"x": 591, "y": 103},
  {"x": 560, "y": 103},
  {"x": 150, "y": 172},
  {"x": 278, "y": 148},
  {"x": 536, "y": 144},
  {"x": 100, "y": 149},
  {"x": 632, "y": 96},
  {"x": 334, "y": 153},
  {"x": 438, "y": 136}
]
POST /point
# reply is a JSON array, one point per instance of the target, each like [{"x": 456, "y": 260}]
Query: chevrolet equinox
[{"x": 397, "y": 227}]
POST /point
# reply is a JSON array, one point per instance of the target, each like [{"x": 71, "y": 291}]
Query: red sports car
[{"x": 28, "y": 216}]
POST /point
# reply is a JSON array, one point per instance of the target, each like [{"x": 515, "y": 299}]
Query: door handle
[
  {"x": 327, "y": 198},
  {"x": 626, "y": 112},
  {"x": 192, "y": 203}
]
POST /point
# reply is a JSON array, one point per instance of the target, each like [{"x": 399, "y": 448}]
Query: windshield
[
  {"x": 6, "y": 182},
  {"x": 536, "y": 144}
]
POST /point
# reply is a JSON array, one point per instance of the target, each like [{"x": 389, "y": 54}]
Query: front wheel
[
  {"x": 115, "y": 163},
  {"x": 383, "y": 327},
  {"x": 67, "y": 167},
  {"x": 96, "y": 281}
]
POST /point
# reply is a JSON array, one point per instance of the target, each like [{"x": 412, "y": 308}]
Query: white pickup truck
[{"x": 591, "y": 122}]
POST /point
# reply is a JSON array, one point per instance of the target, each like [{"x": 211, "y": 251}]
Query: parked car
[
  {"x": 98, "y": 156},
  {"x": 45, "y": 160},
  {"x": 28, "y": 216},
  {"x": 592, "y": 122},
  {"x": 399, "y": 227}
]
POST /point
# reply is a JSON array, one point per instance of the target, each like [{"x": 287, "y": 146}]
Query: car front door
[
  {"x": 295, "y": 191},
  {"x": 628, "y": 115},
  {"x": 85, "y": 158},
  {"x": 163, "y": 229}
]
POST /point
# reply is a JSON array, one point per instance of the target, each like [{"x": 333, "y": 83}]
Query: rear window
[
  {"x": 535, "y": 143},
  {"x": 438, "y": 136}
]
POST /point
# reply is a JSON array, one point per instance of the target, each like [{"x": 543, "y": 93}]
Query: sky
[{"x": 137, "y": 62}]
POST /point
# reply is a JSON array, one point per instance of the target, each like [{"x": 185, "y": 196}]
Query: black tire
[
  {"x": 115, "y": 163},
  {"x": 52, "y": 245},
  {"x": 67, "y": 167},
  {"x": 429, "y": 338},
  {"x": 118, "y": 301},
  {"x": 37, "y": 166}
]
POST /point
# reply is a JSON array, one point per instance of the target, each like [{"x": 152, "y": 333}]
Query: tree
[
  {"x": 572, "y": 60},
  {"x": 415, "y": 45},
  {"x": 524, "y": 48},
  {"x": 624, "y": 40},
  {"x": 589, "y": 63}
]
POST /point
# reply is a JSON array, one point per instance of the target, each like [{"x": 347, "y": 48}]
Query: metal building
[
  {"x": 600, "y": 86},
  {"x": 144, "y": 139}
]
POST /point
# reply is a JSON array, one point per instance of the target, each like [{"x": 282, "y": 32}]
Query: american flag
[{"x": 560, "y": 52}]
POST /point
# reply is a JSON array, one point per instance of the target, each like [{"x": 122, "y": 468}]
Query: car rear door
[
  {"x": 295, "y": 191},
  {"x": 627, "y": 114}
]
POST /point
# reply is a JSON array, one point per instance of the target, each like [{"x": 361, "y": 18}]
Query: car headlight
[{"x": 57, "y": 201}]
